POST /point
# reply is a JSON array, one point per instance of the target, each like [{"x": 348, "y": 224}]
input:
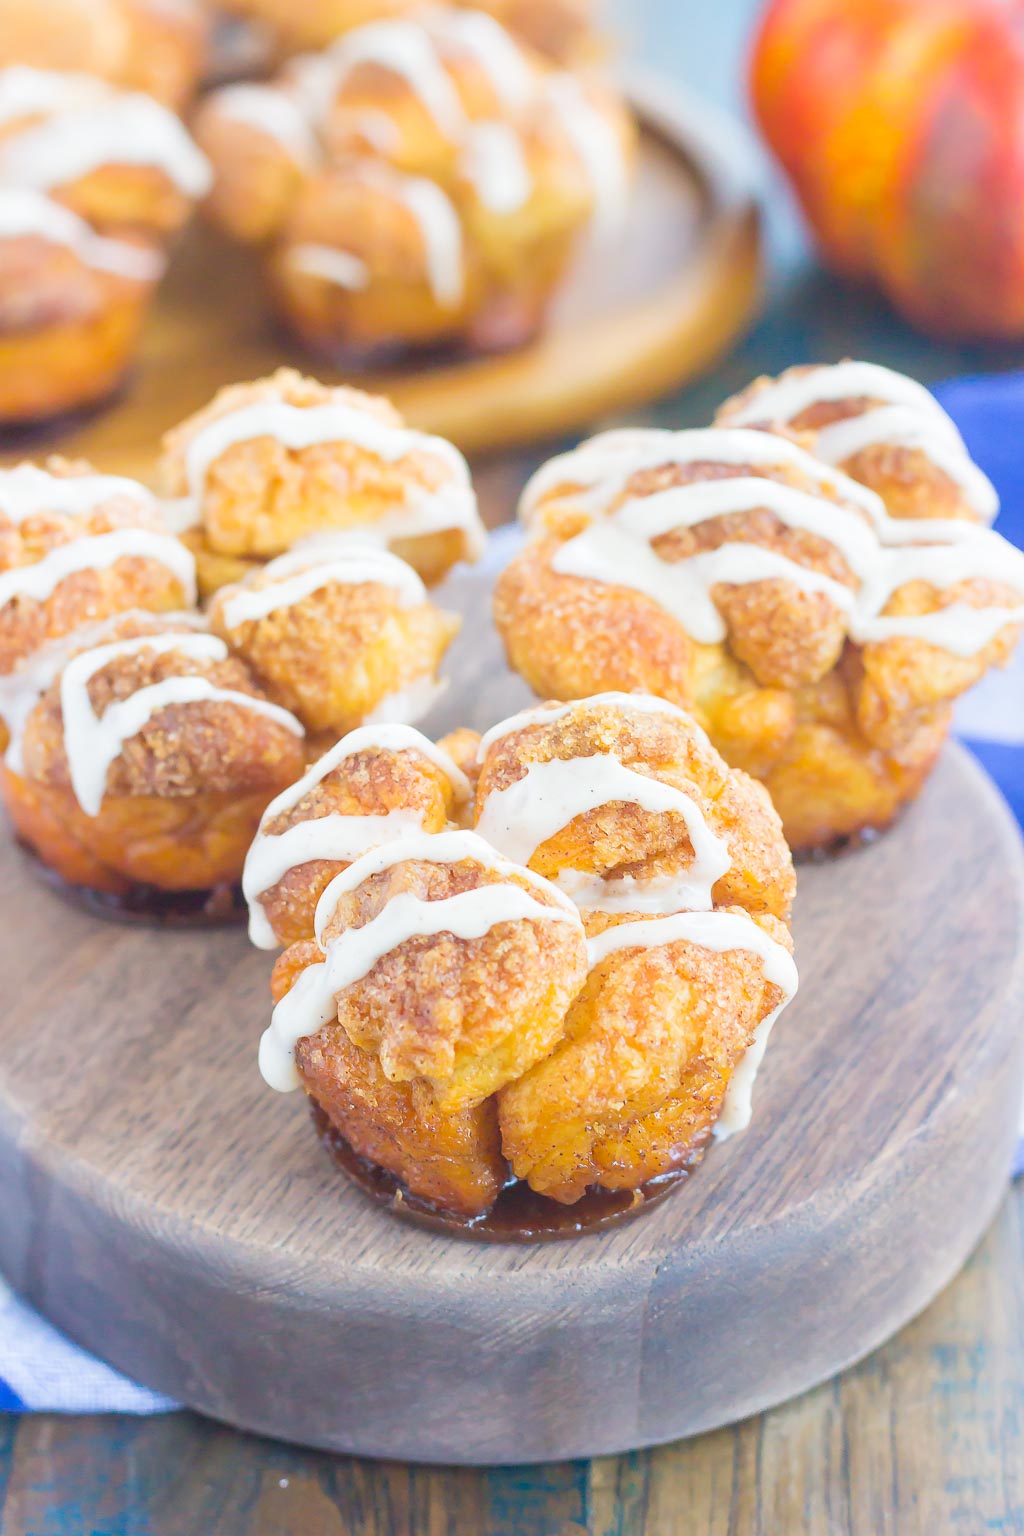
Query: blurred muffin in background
[
  {"x": 422, "y": 181},
  {"x": 94, "y": 183},
  {"x": 155, "y": 46},
  {"x": 566, "y": 31}
]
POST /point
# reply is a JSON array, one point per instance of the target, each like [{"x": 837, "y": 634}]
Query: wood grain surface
[
  {"x": 165, "y": 1209},
  {"x": 636, "y": 318}
]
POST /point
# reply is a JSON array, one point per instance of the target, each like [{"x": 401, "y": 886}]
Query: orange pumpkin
[{"x": 901, "y": 126}]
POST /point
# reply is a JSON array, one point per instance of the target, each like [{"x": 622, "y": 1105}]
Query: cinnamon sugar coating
[
  {"x": 90, "y": 594},
  {"x": 183, "y": 794}
]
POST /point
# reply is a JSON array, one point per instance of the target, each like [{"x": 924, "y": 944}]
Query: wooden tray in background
[
  {"x": 637, "y": 319},
  {"x": 172, "y": 1214}
]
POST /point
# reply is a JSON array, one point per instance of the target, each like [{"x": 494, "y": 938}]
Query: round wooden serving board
[
  {"x": 168, "y": 1211},
  {"x": 638, "y": 317}
]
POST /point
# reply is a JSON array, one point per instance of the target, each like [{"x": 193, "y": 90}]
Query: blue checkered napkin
[{"x": 41, "y": 1371}]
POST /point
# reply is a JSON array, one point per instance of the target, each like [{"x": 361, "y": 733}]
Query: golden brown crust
[
  {"x": 184, "y": 796},
  {"x": 842, "y": 734},
  {"x": 84, "y": 596},
  {"x": 463, "y": 1015},
  {"x": 623, "y": 839},
  {"x": 636, "y": 1083},
  {"x": 375, "y": 782},
  {"x": 338, "y": 654},
  {"x": 260, "y": 497}
]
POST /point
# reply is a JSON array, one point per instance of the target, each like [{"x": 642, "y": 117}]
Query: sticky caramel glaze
[{"x": 518, "y": 1215}]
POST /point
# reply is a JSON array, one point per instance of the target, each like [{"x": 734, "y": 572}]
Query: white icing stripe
[
  {"x": 597, "y": 146},
  {"x": 908, "y": 416},
  {"x": 522, "y": 817},
  {"x": 267, "y": 850},
  {"x": 28, "y": 92},
  {"x": 331, "y": 265},
  {"x": 368, "y": 738},
  {"x": 546, "y": 714},
  {"x": 271, "y": 111},
  {"x": 312, "y": 1002},
  {"x": 789, "y": 396},
  {"x": 97, "y": 552},
  {"x": 409, "y": 704},
  {"x": 604, "y": 465},
  {"x": 25, "y": 213},
  {"x": 297, "y": 427},
  {"x": 405, "y": 49},
  {"x": 492, "y": 49},
  {"x": 121, "y": 129},
  {"x": 494, "y": 162},
  {"x": 718, "y": 931},
  {"x": 429, "y": 848},
  {"x": 958, "y": 628},
  {"x": 27, "y": 490},
  {"x": 884, "y": 554},
  {"x": 333, "y": 837},
  {"x": 281, "y": 585},
  {"x": 92, "y": 742},
  {"x": 898, "y": 426},
  {"x": 440, "y": 229},
  {"x": 21, "y": 690},
  {"x": 686, "y": 506},
  {"x": 606, "y": 553}
]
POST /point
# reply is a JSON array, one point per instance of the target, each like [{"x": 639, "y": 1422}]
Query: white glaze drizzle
[
  {"x": 440, "y": 228},
  {"x": 26, "y": 490},
  {"x": 352, "y": 955},
  {"x": 409, "y": 704},
  {"x": 92, "y": 742},
  {"x": 297, "y": 426},
  {"x": 406, "y": 49},
  {"x": 98, "y": 552},
  {"x": 271, "y": 111},
  {"x": 547, "y": 714},
  {"x": 521, "y": 817},
  {"x": 491, "y": 47},
  {"x": 898, "y": 426},
  {"x": 24, "y": 212},
  {"x": 21, "y": 690},
  {"x": 266, "y": 852},
  {"x": 83, "y": 132},
  {"x": 616, "y": 548},
  {"x": 597, "y": 147},
  {"x": 909, "y": 416},
  {"x": 297, "y": 575},
  {"x": 720, "y": 932},
  {"x": 453, "y": 507},
  {"x": 493, "y": 160},
  {"x": 331, "y": 265},
  {"x": 605, "y": 464}
]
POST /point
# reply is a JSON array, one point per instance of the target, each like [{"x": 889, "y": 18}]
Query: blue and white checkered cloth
[{"x": 42, "y": 1371}]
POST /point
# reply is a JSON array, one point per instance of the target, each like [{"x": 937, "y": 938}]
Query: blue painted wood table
[{"x": 925, "y": 1437}]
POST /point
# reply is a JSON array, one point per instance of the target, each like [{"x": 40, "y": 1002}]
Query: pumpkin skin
[{"x": 901, "y": 126}]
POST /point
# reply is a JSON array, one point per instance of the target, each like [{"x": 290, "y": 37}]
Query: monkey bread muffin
[
  {"x": 819, "y": 626},
  {"x": 272, "y": 462},
  {"x": 425, "y": 180},
  {"x": 575, "y": 994}
]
